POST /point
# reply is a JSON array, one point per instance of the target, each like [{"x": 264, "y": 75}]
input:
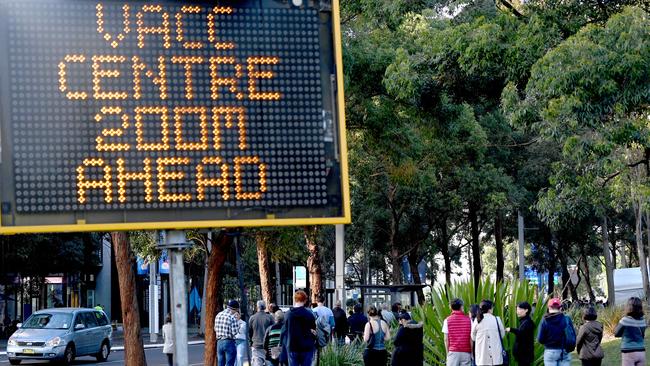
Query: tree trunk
[
  {"x": 263, "y": 264},
  {"x": 216, "y": 260},
  {"x": 396, "y": 263},
  {"x": 609, "y": 268},
  {"x": 638, "y": 213},
  {"x": 314, "y": 262},
  {"x": 208, "y": 245},
  {"x": 125, "y": 262},
  {"x": 590, "y": 290},
  {"x": 613, "y": 240},
  {"x": 624, "y": 261},
  {"x": 498, "y": 238},
  {"x": 415, "y": 274},
  {"x": 566, "y": 277},
  {"x": 552, "y": 265},
  {"x": 476, "y": 247}
]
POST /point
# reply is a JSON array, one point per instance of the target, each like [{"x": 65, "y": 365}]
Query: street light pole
[{"x": 520, "y": 224}]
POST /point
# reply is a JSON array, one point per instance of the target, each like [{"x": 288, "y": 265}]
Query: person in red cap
[{"x": 557, "y": 334}]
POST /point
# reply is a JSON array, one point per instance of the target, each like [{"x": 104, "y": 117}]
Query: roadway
[{"x": 155, "y": 357}]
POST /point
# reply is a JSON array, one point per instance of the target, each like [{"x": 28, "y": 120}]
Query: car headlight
[
  {"x": 56, "y": 341},
  {"x": 12, "y": 342}
]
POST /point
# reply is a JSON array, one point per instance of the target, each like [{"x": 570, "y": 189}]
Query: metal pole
[
  {"x": 340, "y": 264},
  {"x": 520, "y": 224},
  {"x": 175, "y": 241},
  {"x": 278, "y": 286},
  {"x": 153, "y": 301}
]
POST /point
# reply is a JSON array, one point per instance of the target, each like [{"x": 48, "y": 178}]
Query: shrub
[
  {"x": 610, "y": 317},
  {"x": 345, "y": 355},
  {"x": 505, "y": 297}
]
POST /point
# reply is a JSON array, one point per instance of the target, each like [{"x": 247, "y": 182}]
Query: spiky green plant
[
  {"x": 505, "y": 296},
  {"x": 610, "y": 317},
  {"x": 345, "y": 355}
]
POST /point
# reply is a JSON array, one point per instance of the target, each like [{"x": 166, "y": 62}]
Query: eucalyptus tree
[{"x": 590, "y": 95}]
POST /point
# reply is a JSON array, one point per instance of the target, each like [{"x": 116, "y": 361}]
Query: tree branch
[
  {"x": 511, "y": 8},
  {"x": 612, "y": 176}
]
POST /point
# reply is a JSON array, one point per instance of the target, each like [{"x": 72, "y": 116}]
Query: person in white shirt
[
  {"x": 168, "y": 340},
  {"x": 240, "y": 341}
]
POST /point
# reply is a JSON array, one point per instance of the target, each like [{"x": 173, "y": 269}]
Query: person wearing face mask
[{"x": 524, "y": 349}]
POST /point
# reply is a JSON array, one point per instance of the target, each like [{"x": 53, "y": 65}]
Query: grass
[{"x": 612, "y": 350}]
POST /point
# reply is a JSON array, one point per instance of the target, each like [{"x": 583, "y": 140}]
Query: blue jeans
[
  {"x": 556, "y": 357},
  {"x": 226, "y": 352},
  {"x": 301, "y": 358},
  {"x": 242, "y": 353}
]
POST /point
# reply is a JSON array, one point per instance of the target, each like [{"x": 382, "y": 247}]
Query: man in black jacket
[
  {"x": 409, "y": 349},
  {"x": 524, "y": 351},
  {"x": 341, "y": 327}
]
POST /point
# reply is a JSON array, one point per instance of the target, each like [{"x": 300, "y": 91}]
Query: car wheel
[
  {"x": 14, "y": 362},
  {"x": 102, "y": 356},
  {"x": 68, "y": 355}
]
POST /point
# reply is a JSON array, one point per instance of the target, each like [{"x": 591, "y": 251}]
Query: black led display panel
[{"x": 128, "y": 114}]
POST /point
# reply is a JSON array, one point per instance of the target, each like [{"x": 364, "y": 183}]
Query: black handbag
[{"x": 504, "y": 353}]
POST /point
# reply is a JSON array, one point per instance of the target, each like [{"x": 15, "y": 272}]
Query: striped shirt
[{"x": 225, "y": 325}]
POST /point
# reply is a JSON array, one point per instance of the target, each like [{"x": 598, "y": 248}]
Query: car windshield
[{"x": 48, "y": 321}]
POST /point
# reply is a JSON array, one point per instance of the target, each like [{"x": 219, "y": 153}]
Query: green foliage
[
  {"x": 505, "y": 296},
  {"x": 346, "y": 355},
  {"x": 610, "y": 317}
]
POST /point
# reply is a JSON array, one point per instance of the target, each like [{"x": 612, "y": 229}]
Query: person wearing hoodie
[
  {"x": 552, "y": 335},
  {"x": 299, "y": 331},
  {"x": 524, "y": 348},
  {"x": 588, "y": 340},
  {"x": 409, "y": 349},
  {"x": 632, "y": 331}
]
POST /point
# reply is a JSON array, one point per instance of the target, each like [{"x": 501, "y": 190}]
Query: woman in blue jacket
[{"x": 632, "y": 331}]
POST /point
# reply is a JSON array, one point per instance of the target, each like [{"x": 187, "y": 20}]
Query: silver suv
[{"x": 61, "y": 334}]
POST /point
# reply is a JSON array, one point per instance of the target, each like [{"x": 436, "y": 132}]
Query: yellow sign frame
[{"x": 269, "y": 221}]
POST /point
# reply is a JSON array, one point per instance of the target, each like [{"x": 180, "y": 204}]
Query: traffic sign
[{"x": 128, "y": 115}]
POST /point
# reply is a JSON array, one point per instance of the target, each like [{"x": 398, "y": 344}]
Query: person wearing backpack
[
  {"x": 323, "y": 334},
  {"x": 631, "y": 328},
  {"x": 376, "y": 332},
  {"x": 557, "y": 335}
]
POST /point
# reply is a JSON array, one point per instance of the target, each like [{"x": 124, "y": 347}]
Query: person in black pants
[{"x": 524, "y": 351}]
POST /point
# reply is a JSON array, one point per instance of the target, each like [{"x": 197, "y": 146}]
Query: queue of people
[
  {"x": 475, "y": 338},
  {"x": 478, "y": 340},
  {"x": 296, "y": 337}
]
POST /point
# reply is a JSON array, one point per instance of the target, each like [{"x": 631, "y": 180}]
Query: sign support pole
[
  {"x": 340, "y": 264},
  {"x": 174, "y": 241},
  {"x": 153, "y": 303}
]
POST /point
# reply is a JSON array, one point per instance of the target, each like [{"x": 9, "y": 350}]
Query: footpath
[{"x": 118, "y": 340}]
